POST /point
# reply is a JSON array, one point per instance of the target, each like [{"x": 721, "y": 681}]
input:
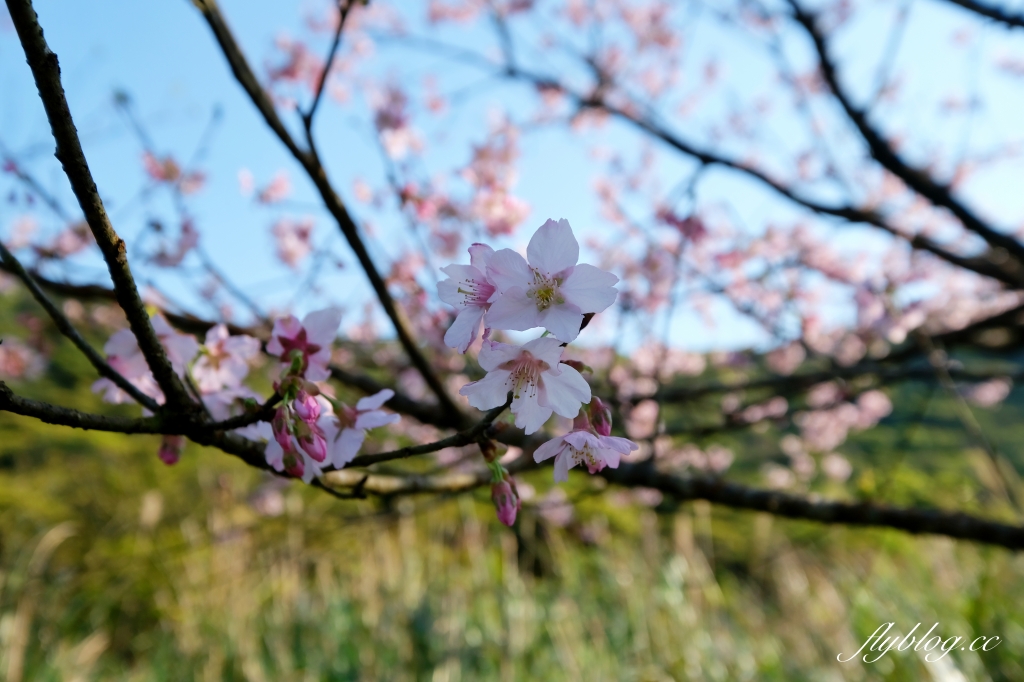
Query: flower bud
[
  {"x": 294, "y": 464},
  {"x": 506, "y": 501},
  {"x": 306, "y": 407},
  {"x": 601, "y": 417},
  {"x": 170, "y": 449},
  {"x": 315, "y": 445}
]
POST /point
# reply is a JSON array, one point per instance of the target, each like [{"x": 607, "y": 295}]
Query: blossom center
[
  {"x": 475, "y": 292},
  {"x": 545, "y": 291},
  {"x": 587, "y": 456},
  {"x": 525, "y": 373}
]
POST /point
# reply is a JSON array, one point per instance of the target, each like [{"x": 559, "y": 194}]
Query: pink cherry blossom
[
  {"x": 539, "y": 381},
  {"x": 550, "y": 290},
  {"x": 310, "y": 340},
  {"x": 581, "y": 446},
  {"x": 278, "y": 189},
  {"x": 471, "y": 291},
  {"x": 18, "y": 361},
  {"x": 294, "y": 240},
  {"x": 224, "y": 359},
  {"x": 124, "y": 355},
  {"x": 345, "y": 428}
]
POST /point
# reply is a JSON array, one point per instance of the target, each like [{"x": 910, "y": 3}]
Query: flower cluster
[
  {"x": 501, "y": 290},
  {"x": 310, "y": 430}
]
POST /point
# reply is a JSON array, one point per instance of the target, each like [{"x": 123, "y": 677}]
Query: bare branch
[
  {"x": 46, "y": 72},
  {"x": 344, "y": 7},
  {"x": 915, "y": 178},
  {"x": 997, "y": 14}
]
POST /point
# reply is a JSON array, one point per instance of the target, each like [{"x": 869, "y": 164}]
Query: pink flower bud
[
  {"x": 506, "y": 501},
  {"x": 170, "y": 449},
  {"x": 315, "y": 444},
  {"x": 306, "y": 407},
  {"x": 281, "y": 432},
  {"x": 294, "y": 464},
  {"x": 601, "y": 417}
]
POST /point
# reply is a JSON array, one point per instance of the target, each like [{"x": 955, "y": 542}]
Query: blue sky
[{"x": 164, "y": 57}]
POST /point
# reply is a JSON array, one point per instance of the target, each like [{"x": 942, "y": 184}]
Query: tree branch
[
  {"x": 46, "y": 71},
  {"x": 997, "y": 14},
  {"x": 915, "y": 178}
]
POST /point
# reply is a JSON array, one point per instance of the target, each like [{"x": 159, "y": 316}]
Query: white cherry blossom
[
  {"x": 539, "y": 381},
  {"x": 471, "y": 291},
  {"x": 551, "y": 290},
  {"x": 583, "y": 447}
]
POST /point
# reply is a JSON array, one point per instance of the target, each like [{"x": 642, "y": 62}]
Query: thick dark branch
[
  {"x": 66, "y": 328},
  {"x": 454, "y": 441},
  {"x": 910, "y": 520},
  {"x": 335, "y": 206},
  {"x": 64, "y": 416},
  {"x": 717, "y": 491},
  {"x": 915, "y": 178},
  {"x": 46, "y": 72},
  {"x": 998, "y": 14}
]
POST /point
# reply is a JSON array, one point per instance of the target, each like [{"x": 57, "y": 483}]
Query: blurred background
[{"x": 797, "y": 312}]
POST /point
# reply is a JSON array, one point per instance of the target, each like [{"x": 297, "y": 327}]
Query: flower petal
[
  {"x": 553, "y": 247},
  {"x": 530, "y": 414},
  {"x": 590, "y": 288},
  {"x": 563, "y": 463},
  {"x": 545, "y": 348},
  {"x": 513, "y": 310},
  {"x": 373, "y": 402},
  {"x": 346, "y": 446},
  {"x": 376, "y": 418},
  {"x": 623, "y": 445},
  {"x": 548, "y": 449},
  {"x": 494, "y": 353},
  {"x": 489, "y": 392},
  {"x": 564, "y": 321},
  {"x": 565, "y": 393},
  {"x": 464, "y": 329},
  {"x": 508, "y": 269},
  {"x": 480, "y": 256},
  {"x": 322, "y": 325}
]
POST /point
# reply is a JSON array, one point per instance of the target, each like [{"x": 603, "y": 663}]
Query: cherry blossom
[
  {"x": 124, "y": 355},
  {"x": 224, "y": 359},
  {"x": 308, "y": 342},
  {"x": 294, "y": 240},
  {"x": 550, "y": 290},
  {"x": 582, "y": 446},
  {"x": 540, "y": 383},
  {"x": 345, "y": 428},
  {"x": 471, "y": 291}
]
